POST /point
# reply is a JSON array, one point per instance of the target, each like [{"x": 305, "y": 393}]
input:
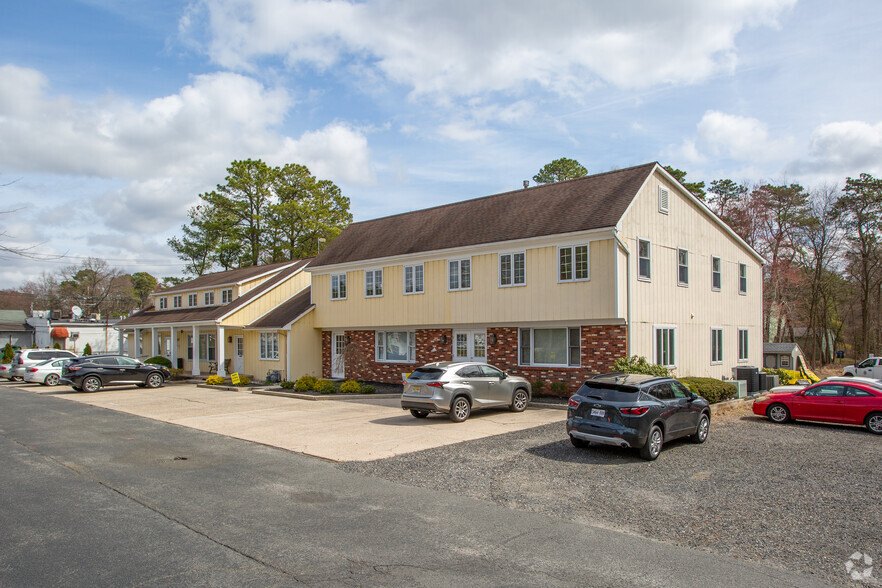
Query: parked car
[
  {"x": 92, "y": 372},
  {"x": 5, "y": 371},
  {"x": 844, "y": 379},
  {"x": 47, "y": 373},
  {"x": 869, "y": 368},
  {"x": 636, "y": 411},
  {"x": 457, "y": 388},
  {"x": 30, "y": 357},
  {"x": 853, "y": 401}
]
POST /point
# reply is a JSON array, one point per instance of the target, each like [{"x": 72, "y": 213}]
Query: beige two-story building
[
  {"x": 256, "y": 320},
  {"x": 552, "y": 282}
]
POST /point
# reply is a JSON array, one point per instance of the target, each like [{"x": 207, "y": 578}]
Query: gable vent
[{"x": 663, "y": 200}]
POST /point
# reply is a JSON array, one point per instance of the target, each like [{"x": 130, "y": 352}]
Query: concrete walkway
[{"x": 337, "y": 431}]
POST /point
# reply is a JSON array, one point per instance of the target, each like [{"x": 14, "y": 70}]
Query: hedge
[
  {"x": 711, "y": 389},
  {"x": 159, "y": 360}
]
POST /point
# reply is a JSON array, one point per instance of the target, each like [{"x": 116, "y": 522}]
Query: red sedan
[{"x": 852, "y": 403}]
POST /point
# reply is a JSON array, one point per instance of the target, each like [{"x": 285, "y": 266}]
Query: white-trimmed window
[
  {"x": 269, "y": 346},
  {"x": 742, "y": 278},
  {"x": 176, "y": 301},
  {"x": 573, "y": 265},
  {"x": 338, "y": 287},
  {"x": 716, "y": 345},
  {"x": 742, "y": 345},
  {"x": 226, "y": 296},
  {"x": 459, "y": 274},
  {"x": 396, "y": 346},
  {"x": 663, "y": 200},
  {"x": 682, "y": 267},
  {"x": 644, "y": 260},
  {"x": 373, "y": 283},
  {"x": 163, "y": 303},
  {"x": 413, "y": 279},
  {"x": 191, "y": 299},
  {"x": 665, "y": 345},
  {"x": 785, "y": 361},
  {"x": 716, "y": 274},
  {"x": 513, "y": 269},
  {"x": 550, "y": 347},
  {"x": 209, "y": 298},
  {"x": 207, "y": 347}
]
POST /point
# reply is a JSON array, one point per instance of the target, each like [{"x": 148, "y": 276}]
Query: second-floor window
[
  {"x": 682, "y": 267},
  {"x": 163, "y": 303},
  {"x": 716, "y": 273},
  {"x": 644, "y": 260},
  {"x": 209, "y": 298},
  {"x": 413, "y": 279},
  {"x": 742, "y": 278},
  {"x": 512, "y": 269},
  {"x": 459, "y": 272},
  {"x": 338, "y": 287},
  {"x": 191, "y": 299},
  {"x": 176, "y": 301},
  {"x": 373, "y": 283},
  {"x": 226, "y": 296},
  {"x": 573, "y": 263}
]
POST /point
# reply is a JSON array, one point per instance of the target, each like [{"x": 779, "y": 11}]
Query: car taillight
[
  {"x": 436, "y": 384},
  {"x": 73, "y": 368},
  {"x": 573, "y": 403},
  {"x": 32, "y": 370},
  {"x": 634, "y": 410}
]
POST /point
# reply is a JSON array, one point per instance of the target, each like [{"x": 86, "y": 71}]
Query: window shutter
[{"x": 663, "y": 200}]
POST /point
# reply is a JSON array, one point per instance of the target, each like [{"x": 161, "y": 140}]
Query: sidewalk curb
[{"x": 323, "y": 396}]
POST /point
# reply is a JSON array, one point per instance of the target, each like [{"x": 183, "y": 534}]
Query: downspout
[{"x": 628, "y": 285}]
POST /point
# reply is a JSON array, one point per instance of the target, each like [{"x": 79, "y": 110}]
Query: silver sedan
[{"x": 47, "y": 373}]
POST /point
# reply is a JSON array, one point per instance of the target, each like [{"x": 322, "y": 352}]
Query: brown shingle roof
[
  {"x": 564, "y": 207},
  {"x": 285, "y": 312},
  {"x": 151, "y": 316},
  {"x": 228, "y": 277}
]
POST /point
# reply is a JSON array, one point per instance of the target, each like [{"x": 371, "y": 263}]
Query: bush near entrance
[
  {"x": 711, "y": 389},
  {"x": 214, "y": 380},
  {"x": 350, "y": 387},
  {"x": 159, "y": 360}
]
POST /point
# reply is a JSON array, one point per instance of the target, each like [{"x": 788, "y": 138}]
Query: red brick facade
[{"x": 600, "y": 347}]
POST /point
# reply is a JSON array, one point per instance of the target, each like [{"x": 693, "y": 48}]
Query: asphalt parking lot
[
  {"x": 351, "y": 430},
  {"x": 801, "y": 496}
]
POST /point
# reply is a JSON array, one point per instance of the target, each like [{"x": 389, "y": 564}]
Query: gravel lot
[{"x": 801, "y": 496}]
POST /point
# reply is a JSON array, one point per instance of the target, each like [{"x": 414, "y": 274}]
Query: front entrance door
[
  {"x": 238, "y": 354},
  {"x": 470, "y": 346},
  {"x": 338, "y": 367}
]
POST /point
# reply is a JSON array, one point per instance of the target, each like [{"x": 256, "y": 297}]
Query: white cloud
[
  {"x": 337, "y": 151},
  {"x": 739, "y": 138},
  {"x": 462, "y": 48},
  {"x": 845, "y": 148},
  {"x": 464, "y": 132}
]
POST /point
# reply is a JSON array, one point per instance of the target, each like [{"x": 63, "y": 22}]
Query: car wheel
[
  {"x": 701, "y": 430},
  {"x": 460, "y": 409},
  {"x": 17, "y": 379},
  {"x": 91, "y": 384},
  {"x": 51, "y": 380},
  {"x": 778, "y": 413},
  {"x": 520, "y": 400},
  {"x": 580, "y": 443},
  {"x": 653, "y": 445},
  {"x": 873, "y": 422},
  {"x": 420, "y": 414},
  {"x": 154, "y": 380}
]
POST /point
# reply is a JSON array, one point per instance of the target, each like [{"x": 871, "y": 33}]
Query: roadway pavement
[{"x": 96, "y": 497}]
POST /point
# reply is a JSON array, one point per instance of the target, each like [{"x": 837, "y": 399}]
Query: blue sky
[{"x": 116, "y": 114}]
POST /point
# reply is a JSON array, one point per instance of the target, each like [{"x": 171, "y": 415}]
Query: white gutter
[{"x": 628, "y": 281}]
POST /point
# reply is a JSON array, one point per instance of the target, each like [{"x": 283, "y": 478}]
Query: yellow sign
[{"x": 235, "y": 378}]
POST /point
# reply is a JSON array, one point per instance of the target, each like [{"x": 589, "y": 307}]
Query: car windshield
[
  {"x": 608, "y": 392},
  {"x": 426, "y": 374}
]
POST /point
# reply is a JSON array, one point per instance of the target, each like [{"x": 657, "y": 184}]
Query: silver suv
[
  {"x": 30, "y": 357},
  {"x": 457, "y": 388}
]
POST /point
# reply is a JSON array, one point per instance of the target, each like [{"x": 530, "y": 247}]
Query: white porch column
[
  {"x": 174, "y": 347},
  {"x": 219, "y": 352},
  {"x": 120, "y": 336},
  {"x": 137, "y": 343},
  {"x": 195, "y": 350},
  {"x": 153, "y": 346}
]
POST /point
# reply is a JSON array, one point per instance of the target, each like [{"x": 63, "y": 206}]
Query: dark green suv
[{"x": 635, "y": 410}]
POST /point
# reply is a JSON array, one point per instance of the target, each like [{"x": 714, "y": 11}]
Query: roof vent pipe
[{"x": 526, "y": 183}]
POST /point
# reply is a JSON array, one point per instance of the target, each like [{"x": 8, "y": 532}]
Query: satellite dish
[{"x": 77, "y": 311}]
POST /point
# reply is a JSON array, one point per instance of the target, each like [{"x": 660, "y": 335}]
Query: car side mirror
[
  {"x": 503, "y": 376},
  {"x": 692, "y": 396}
]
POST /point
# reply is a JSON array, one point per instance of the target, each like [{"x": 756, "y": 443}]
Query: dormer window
[
  {"x": 226, "y": 296},
  {"x": 191, "y": 299},
  {"x": 209, "y": 298},
  {"x": 163, "y": 303}
]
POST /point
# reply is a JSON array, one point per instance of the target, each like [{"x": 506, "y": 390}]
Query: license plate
[
  {"x": 417, "y": 389},
  {"x": 598, "y": 412}
]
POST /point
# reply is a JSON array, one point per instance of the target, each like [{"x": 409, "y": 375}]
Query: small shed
[
  {"x": 14, "y": 329},
  {"x": 783, "y": 356}
]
